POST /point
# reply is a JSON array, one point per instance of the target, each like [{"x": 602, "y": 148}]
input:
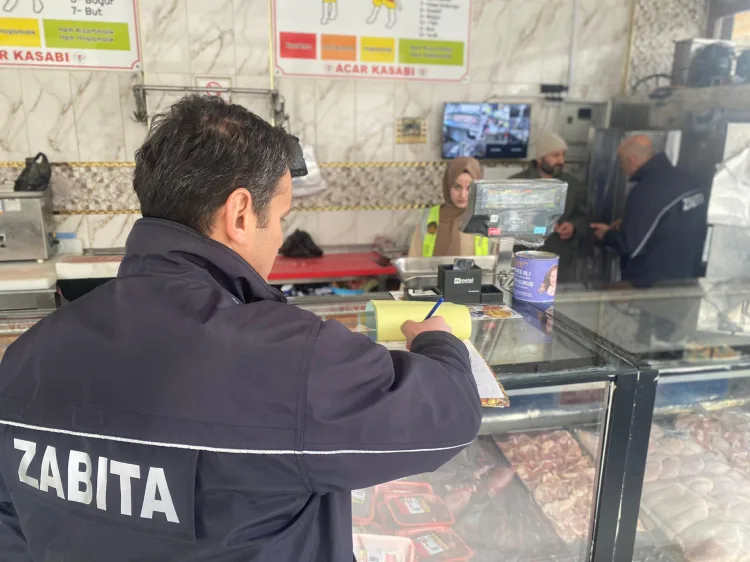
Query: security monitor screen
[{"x": 486, "y": 130}]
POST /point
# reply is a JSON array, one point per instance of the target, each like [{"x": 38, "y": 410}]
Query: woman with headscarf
[{"x": 438, "y": 233}]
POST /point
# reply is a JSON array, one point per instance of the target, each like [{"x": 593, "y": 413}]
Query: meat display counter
[
  {"x": 541, "y": 482},
  {"x": 696, "y": 485}
]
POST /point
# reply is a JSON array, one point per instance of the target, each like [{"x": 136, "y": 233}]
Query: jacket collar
[
  {"x": 658, "y": 163},
  {"x": 161, "y": 247}
]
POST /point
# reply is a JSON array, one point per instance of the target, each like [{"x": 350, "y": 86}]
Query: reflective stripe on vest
[{"x": 481, "y": 244}]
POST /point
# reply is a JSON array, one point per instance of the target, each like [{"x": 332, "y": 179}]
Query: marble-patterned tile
[
  {"x": 134, "y": 133},
  {"x": 555, "y": 35},
  {"x": 301, "y": 220},
  {"x": 299, "y": 102},
  {"x": 73, "y": 225},
  {"x": 98, "y": 117},
  {"x": 374, "y": 127},
  {"x": 158, "y": 102},
  {"x": 395, "y": 225},
  {"x": 413, "y": 100},
  {"x": 211, "y": 36},
  {"x": 110, "y": 231},
  {"x": 251, "y": 38},
  {"x": 335, "y": 118},
  {"x": 14, "y": 140},
  {"x": 50, "y": 119},
  {"x": 336, "y": 228},
  {"x": 260, "y": 104},
  {"x": 524, "y": 51},
  {"x": 489, "y": 45},
  {"x": 164, "y": 37},
  {"x": 601, "y": 45}
]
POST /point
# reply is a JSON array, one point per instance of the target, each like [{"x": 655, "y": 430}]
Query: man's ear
[{"x": 239, "y": 216}]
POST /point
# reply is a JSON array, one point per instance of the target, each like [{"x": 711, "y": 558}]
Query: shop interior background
[{"x": 375, "y": 185}]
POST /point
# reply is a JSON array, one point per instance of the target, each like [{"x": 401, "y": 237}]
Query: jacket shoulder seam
[{"x": 304, "y": 378}]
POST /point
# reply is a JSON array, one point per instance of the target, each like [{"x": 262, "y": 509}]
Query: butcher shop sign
[{"x": 69, "y": 34}]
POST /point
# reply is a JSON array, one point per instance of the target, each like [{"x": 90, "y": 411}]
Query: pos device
[{"x": 527, "y": 210}]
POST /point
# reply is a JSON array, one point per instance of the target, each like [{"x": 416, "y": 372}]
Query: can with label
[{"x": 535, "y": 276}]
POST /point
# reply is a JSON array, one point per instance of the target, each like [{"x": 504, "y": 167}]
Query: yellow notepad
[{"x": 390, "y": 315}]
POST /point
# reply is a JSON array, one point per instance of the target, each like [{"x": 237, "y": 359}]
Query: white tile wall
[
  {"x": 516, "y": 45},
  {"x": 14, "y": 139},
  {"x": 211, "y": 38},
  {"x": 76, "y": 225},
  {"x": 98, "y": 116},
  {"x": 109, "y": 231},
  {"x": 50, "y": 118},
  {"x": 374, "y": 126}
]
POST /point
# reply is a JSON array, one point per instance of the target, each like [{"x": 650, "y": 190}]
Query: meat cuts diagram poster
[
  {"x": 69, "y": 34},
  {"x": 392, "y": 39}
]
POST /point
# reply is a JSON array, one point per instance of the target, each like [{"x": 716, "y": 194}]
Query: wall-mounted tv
[{"x": 486, "y": 130}]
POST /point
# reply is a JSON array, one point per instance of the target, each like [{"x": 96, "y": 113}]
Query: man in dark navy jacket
[
  {"x": 184, "y": 412},
  {"x": 661, "y": 234}
]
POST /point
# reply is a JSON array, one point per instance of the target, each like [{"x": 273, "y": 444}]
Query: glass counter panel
[
  {"x": 696, "y": 492},
  {"x": 12, "y": 326},
  {"x": 524, "y": 495},
  {"x": 686, "y": 324},
  {"x": 525, "y": 340}
]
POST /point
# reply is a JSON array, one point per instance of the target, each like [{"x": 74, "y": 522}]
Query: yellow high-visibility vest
[{"x": 481, "y": 244}]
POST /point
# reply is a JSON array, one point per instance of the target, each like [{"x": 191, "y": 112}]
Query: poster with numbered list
[
  {"x": 390, "y": 39},
  {"x": 100, "y": 34}
]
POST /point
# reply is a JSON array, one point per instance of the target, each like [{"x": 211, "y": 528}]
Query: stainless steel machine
[
  {"x": 26, "y": 228},
  {"x": 698, "y": 128}
]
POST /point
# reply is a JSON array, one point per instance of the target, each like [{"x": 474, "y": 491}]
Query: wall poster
[
  {"x": 99, "y": 34},
  {"x": 392, "y": 39}
]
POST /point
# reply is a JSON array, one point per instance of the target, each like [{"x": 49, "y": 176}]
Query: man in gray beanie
[{"x": 573, "y": 226}]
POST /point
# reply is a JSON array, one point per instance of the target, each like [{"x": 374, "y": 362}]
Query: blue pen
[{"x": 440, "y": 301}]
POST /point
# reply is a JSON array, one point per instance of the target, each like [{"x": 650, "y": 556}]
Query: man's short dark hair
[{"x": 199, "y": 152}]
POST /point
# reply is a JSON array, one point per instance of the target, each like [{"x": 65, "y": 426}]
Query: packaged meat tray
[
  {"x": 381, "y": 548},
  {"x": 363, "y": 506},
  {"x": 438, "y": 545},
  {"x": 368, "y": 529},
  {"x": 405, "y": 486},
  {"x": 418, "y": 510}
]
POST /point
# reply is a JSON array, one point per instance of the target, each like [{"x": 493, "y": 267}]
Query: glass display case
[
  {"x": 627, "y": 436},
  {"x": 695, "y": 501},
  {"x": 527, "y": 487}
]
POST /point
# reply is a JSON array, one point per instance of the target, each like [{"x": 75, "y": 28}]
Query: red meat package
[
  {"x": 418, "y": 510},
  {"x": 380, "y": 548},
  {"x": 404, "y": 486},
  {"x": 438, "y": 545},
  {"x": 363, "y": 506},
  {"x": 368, "y": 529}
]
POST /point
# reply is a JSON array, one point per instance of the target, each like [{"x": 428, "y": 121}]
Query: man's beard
[{"x": 547, "y": 169}]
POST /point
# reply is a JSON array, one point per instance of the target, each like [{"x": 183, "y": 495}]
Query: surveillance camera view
[{"x": 486, "y": 130}]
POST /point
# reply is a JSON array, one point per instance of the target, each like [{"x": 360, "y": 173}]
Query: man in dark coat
[
  {"x": 661, "y": 235},
  {"x": 184, "y": 411},
  {"x": 572, "y": 228}
]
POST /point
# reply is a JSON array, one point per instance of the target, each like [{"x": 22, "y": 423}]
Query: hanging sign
[
  {"x": 392, "y": 39},
  {"x": 69, "y": 34}
]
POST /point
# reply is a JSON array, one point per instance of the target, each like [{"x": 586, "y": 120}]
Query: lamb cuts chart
[
  {"x": 392, "y": 39},
  {"x": 69, "y": 34}
]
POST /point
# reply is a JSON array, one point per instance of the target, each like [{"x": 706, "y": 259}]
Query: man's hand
[
  {"x": 600, "y": 229},
  {"x": 412, "y": 329},
  {"x": 617, "y": 224},
  {"x": 565, "y": 230}
]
